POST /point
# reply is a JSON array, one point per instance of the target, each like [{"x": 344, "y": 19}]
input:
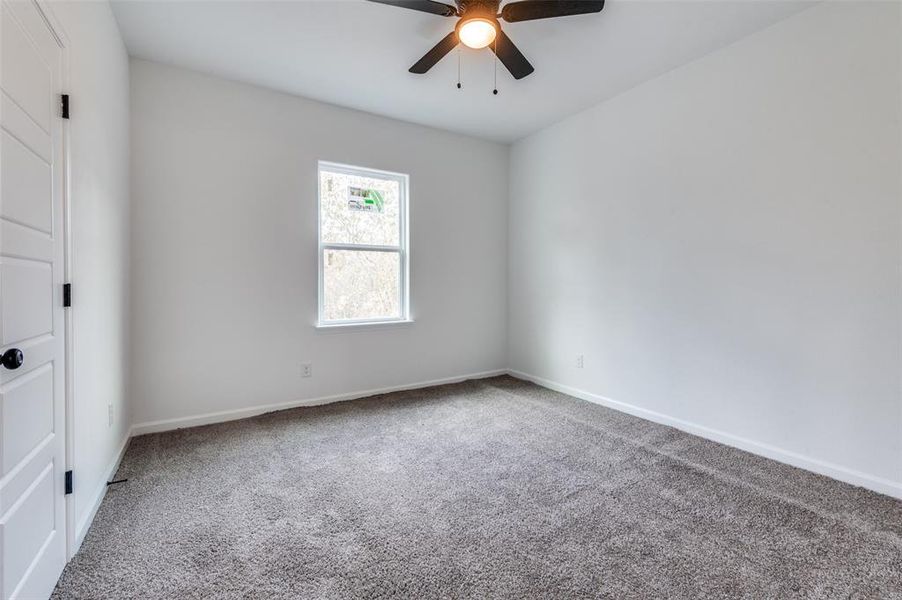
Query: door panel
[
  {"x": 27, "y": 242},
  {"x": 27, "y": 303},
  {"x": 32, "y": 403},
  {"x": 27, "y": 415},
  {"x": 27, "y": 177},
  {"x": 27, "y": 76},
  {"x": 22, "y": 127},
  {"x": 27, "y": 529}
]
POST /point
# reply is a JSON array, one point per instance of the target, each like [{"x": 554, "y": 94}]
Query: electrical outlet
[
  {"x": 580, "y": 362},
  {"x": 109, "y": 412},
  {"x": 306, "y": 370}
]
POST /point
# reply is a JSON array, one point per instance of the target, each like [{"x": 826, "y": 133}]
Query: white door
[{"x": 32, "y": 415}]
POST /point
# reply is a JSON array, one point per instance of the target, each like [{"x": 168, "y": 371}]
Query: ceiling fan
[{"x": 478, "y": 27}]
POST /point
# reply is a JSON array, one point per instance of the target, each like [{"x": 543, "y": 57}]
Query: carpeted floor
[{"x": 490, "y": 489}]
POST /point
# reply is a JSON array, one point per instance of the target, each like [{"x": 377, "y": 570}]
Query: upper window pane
[{"x": 355, "y": 209}]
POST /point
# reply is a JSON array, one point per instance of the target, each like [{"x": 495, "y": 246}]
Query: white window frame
[{"x": 403, "y": 247}]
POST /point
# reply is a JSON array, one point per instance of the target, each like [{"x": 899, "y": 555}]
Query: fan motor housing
[{"x": 487, "y": 9}]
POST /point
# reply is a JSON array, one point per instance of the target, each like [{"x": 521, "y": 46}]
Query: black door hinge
[
  {"x": 68, "y": 482},
  {"x": 67, "y": 295},
  {"x": 64, "y": 101}
]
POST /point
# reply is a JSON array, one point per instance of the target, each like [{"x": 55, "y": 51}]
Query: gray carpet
[{"x": 489, "y": 489}]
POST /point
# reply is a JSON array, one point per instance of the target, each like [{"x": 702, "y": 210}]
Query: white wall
[
  {"x": 224, "y": 249},
  {"x": 99, "y": 200},
  {"x": 723, "y": 245}
]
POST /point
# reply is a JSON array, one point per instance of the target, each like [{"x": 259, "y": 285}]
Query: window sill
[{"x": 361, "y": 326}]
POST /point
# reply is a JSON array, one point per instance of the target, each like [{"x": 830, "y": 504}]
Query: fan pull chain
[
  {"x": 458, "y": 67},
  {"x": 495, "y": 63}
]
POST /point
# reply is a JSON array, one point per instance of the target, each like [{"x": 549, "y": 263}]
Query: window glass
[
  {"x": 361, "y": 285},
  {"x": 359, "y": 210}
]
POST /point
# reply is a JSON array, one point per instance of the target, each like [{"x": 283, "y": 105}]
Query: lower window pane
[{"x": 361, "y": 285}]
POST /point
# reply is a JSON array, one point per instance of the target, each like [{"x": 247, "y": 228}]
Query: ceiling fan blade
[
  {"x": 428, "y": 6},
  {"x": 528, "y": 10},
  {"x": 448, "y": 43},
  {"x": 511, "y": 57}
]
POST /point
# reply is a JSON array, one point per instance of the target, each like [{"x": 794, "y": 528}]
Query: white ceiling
[{"x": 356, "y": 54}]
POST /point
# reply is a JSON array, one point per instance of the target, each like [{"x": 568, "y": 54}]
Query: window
[{"x": 362, "y": 246}]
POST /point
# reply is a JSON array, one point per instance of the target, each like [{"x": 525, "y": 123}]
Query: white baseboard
[
  {"x": 871, "y": 482},
  {"x": 251, "y": 411},
  {"x": 82, "y": 527}
]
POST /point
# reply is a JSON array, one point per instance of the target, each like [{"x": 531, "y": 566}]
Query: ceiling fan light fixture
[
  {"x": 477, "y": 32},
  {"x": 478, "y": 26}
]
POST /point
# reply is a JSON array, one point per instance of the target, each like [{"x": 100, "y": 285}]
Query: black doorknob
[{"x": 12, "y": 358}]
